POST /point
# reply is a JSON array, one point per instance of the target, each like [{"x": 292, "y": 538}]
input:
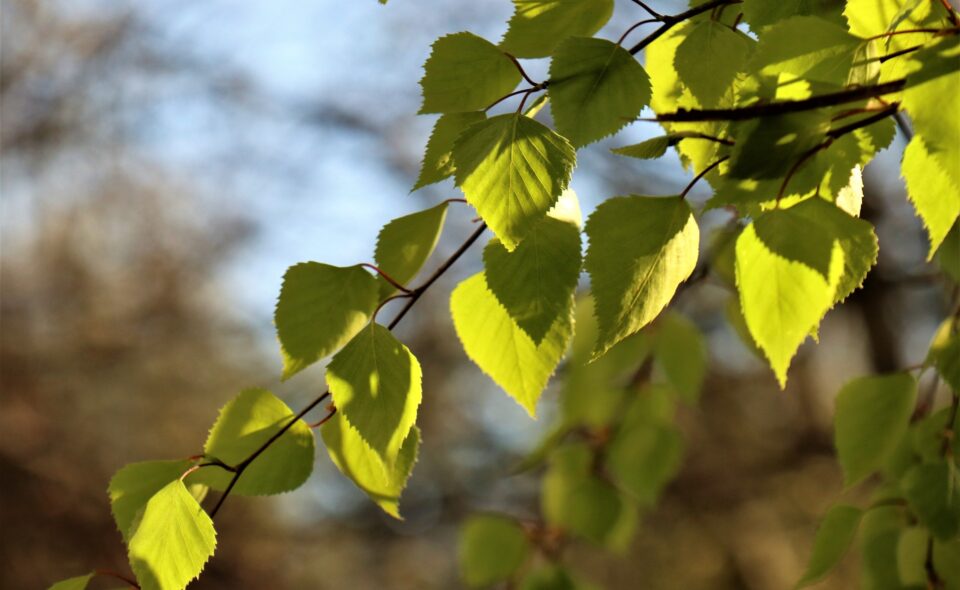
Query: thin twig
[
  {"x": 908, "y": 31},
  {"x": 671, "y": 21},
  {"x": 113, "y": 574},
  {"x": 649, "y": 10},
  {"x": 419, "y": 291},
  {"x": 521, "y": 70},
  {"x": 331, "y": 410},
  {"x": 386, "y": 277},
  {"x": 514, "y": 93},
  {"x": 703, "y": 173},
  {"x": 634, "y": 27}
]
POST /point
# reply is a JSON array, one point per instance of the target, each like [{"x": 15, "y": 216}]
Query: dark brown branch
[
  {"x": 656, "y": 15},
  {"x": 671, "y": 21},
  {"x": 784, "y": 107},
  {"x": 419, "y": 291}
]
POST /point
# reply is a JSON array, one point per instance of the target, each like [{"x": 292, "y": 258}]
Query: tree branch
[
  {"x": 670, "y": 21},
  {"x": 783, "y": 107},
  {"x": 415, "y": 295}
]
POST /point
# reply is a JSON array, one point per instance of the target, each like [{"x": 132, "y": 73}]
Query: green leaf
[
  {"x": 928, "y": 99},
  {"x": 763, "y": 13},
  {"x": 850, "y": 197},
  {"x": 868, "y": 18},
  {"x": 552, "y": 577},
  {"x": 375, "y": 382},
  {"x": 641, "y": 249},
  {"x": 492, "y": 548},
  {"x": 945, "y": 562},
  {"x": 583, "y": 505},
  {"x": 242, "y": 427},
  {"x": 948, "y": 255},
  {"x": 834, "y": 536},
  {"x": 854, "y": 236},
  {"x": 944, "y": 352},
  {"x": 788, "y": 272},
  {"x": 465, "y": 73},
  {"x": 807, "y": 47},
  {"x": 437, "y": 160},
  {"x": 512, "y": 169},
  {"x": 173, "y": 540},
  {"x": 500, "y": 348},
  {"x": 321, "y": 307},
  {"x": 649, "y": 149},
  {"x": 75, "y": 583},
  {"x": 356, "y": 460},
  {"x": 535, "y": 282},
  {"x": 681, "y": 353},
  {"x": 537, "y": 26},
  {"x": 927, "y": 436},
  {"x": 596, "y": 88},
  {"x": 644, "y": 457},
  {"x": 405, "y": 243},
  {"x": 872, "y": 414},
  {"x": 879, "y": 536},
  {"x": 933, "y": 492},
  {"x": 912, "y": 556},
  {"x": 709, "y": 59},
  {"x": 133, "y": 485},
  {"x": 768, "y": 148},
  {"x": 932, "y": 191}
]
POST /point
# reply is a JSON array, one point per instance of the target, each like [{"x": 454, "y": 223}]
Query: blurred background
[{"x": 164, "y": 162}]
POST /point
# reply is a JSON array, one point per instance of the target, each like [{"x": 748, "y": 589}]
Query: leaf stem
[
  {"x": 635, "y": 26},
  {"x": 908, "y": 31},
  {"x": 331, "y": 410},
  {"x": 386, "y": 277},
  {"x": 523, "y": 72},
  {"x": 703, "y": 173},
  {"x": 656, "y": 15},
  {"x": 113, "y": 574}
]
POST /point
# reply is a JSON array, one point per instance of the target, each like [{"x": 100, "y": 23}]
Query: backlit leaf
[
  {"x": 465, "y": 73},
  {"x": 437, "y": 161},
  {"x": 405, "y": 243},
  {"x": 512, "y": 169},
  {"x": 807, "y": 47},
  {"x": 321, "y": 307},
  {"x": 537, "y": 26},
  {"x": 375, "y": 382},
  {"x": 500, "y": 348},
  {"x": 246, "y": 423},
  {"x": 173, "y": 540},
  {"x": 709, "y": 59},
  {"x": 133, "y": 485},
  {"x": 535, "y": 282},
  {"x": 356, "y": 460},
  {"x": 596, "y": 88},
  {"x": 641, "y": 249},
  {"x": 788, "y": 269}
]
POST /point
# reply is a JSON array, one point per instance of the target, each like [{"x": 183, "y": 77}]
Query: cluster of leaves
[{"x": 778, "y": 106}]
